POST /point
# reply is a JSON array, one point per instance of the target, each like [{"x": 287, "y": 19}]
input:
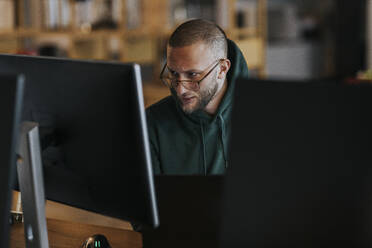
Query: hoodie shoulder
[
  {"x": 163, "y": 103},
  {"x": 161, "y": 108}
]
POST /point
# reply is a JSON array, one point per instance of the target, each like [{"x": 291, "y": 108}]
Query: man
[{"x": 189, "y": 130}]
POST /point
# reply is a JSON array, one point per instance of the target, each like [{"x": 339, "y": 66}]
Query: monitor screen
[
  {"x": 11, "y": 93},
  {"x": 301, "y": 169},
  {"x": 93, "y": 134}
]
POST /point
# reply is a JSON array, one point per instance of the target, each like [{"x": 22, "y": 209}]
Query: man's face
[{"x": 190, "y": 60}]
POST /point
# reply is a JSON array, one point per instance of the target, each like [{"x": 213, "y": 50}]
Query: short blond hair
[{"x": 197, "y": 30}]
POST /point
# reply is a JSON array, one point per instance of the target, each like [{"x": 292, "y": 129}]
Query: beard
[{"x": 202, "y": 98}]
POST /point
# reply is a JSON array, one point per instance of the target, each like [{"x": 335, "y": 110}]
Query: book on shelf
[
  {"x": 117, "y": 10},
  {"x": 31, "y": 12},
  {"x": 133, "y": 14},
  {"x": 246, "y": 14},
  {"x": 201, "y": 9},
  {"x": 98, "y": 14},
  {"x": 56, "y": 14}
]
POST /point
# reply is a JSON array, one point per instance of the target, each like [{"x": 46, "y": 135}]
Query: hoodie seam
[
  {"x": 203, "y": 144},
  {"x": 223, "y": 134}
]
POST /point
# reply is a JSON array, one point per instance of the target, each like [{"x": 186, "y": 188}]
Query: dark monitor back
[
  {"x": 11, "y": 93},
  {"x": 189, "y": 211},
  {"x": 93, "y": 134},
  {"x": 301, "y": 171}
]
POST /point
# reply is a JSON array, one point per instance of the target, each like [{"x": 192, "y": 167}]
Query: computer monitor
[
  {"x": 11, "y": 93},
  {"x": 189, "y": 208},
  {"x": 301, "y": 173},
  {"x": 95, "y": 150}
]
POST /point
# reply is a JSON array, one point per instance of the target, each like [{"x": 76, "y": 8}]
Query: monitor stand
[{"x": 30, "y": 178}]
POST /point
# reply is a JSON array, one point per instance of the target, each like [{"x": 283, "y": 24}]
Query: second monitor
[{"x": 300, "y": 171}]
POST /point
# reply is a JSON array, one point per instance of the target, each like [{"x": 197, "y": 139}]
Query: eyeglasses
[{"x": 169, "y": 77}]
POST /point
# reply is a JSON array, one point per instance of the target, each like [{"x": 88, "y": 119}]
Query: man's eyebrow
[
  {"x": 170, "y": 69},
  {"x": 190, "y": 70}
]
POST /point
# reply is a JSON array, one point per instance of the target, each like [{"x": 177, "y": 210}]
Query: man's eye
[
  {"x": 173, "y": 73},
  {"x": 193, "y": 74}
]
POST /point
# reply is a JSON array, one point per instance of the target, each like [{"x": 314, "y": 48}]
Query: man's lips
[{"x": 187, "y": 99}]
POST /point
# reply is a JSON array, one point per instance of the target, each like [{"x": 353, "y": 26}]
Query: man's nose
[{"x": 180, "y": 89}]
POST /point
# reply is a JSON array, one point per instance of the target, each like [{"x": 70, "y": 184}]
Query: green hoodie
[{"x": 194, "y": 143}]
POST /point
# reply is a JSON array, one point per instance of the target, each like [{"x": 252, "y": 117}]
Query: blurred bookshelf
[{"x": 125, "y": 30}]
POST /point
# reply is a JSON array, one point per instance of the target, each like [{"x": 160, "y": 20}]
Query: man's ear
[{"x": 225, "y": 66}]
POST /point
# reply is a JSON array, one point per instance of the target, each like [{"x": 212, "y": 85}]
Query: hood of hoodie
[{"x": 237, "y": 69}]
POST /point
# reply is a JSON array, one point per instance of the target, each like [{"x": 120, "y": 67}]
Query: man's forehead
[{"x": 187, "y": 57}]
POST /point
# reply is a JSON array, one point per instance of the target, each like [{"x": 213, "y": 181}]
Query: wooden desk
[
  {"x": 68, "y": 227},
  {"x": 65, "y": 234}
]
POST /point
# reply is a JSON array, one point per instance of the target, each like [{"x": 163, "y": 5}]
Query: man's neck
[{"x": 212, "y": 106}]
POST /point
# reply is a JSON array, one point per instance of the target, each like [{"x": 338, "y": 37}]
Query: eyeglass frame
[{"x": 188, "y": 80}]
